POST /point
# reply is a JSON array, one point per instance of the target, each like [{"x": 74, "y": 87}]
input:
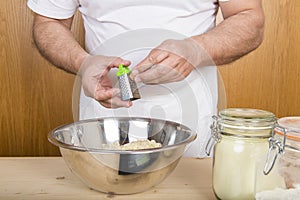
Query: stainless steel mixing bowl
[{"x": 85, "y": 147}]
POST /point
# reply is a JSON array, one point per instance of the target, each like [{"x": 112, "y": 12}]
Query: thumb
[{"x": 116, "y": 62}]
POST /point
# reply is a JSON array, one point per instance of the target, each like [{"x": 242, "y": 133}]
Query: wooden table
[{"x": 49, "y": 178}]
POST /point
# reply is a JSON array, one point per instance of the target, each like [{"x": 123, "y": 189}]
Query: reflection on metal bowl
[{"x": 83, "y": 145}]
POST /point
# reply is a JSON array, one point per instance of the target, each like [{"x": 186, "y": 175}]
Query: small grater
[{"x": 128, "y": 87}]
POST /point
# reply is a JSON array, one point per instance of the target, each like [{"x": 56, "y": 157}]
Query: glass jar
[
  {"x": 283, "y": 161},
  {"x": 239, "y": 136}
]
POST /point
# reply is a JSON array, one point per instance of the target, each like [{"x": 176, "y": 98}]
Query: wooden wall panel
[
  {"x": 269, "y": 78},
  {"x": 37, "y": 97}
]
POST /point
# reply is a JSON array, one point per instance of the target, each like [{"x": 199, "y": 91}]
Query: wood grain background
[
  {"x": 37, "y": 97},
  {"x": 269, "y": 78}
]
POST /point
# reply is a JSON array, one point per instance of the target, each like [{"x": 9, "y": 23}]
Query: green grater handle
[{"x": 123, "y": 70}]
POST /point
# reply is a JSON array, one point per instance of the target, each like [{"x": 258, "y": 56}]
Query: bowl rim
[{"x": 51, "y": 138}]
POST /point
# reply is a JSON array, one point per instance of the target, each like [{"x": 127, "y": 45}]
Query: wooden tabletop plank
[{"x": 49, "y": 178}]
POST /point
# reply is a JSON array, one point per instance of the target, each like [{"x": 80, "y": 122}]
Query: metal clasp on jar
[
  {"x": 215, "y": 136},
  {"x": 276, "y": 147}
]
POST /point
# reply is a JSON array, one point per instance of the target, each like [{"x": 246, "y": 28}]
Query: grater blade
[
  {"x": 134, "y": 89},
  {"x": 124, "y": 84},
  {"x": 128, "y": 87}
]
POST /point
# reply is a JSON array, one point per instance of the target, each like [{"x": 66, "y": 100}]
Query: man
[{"x": 186, "y": 41}]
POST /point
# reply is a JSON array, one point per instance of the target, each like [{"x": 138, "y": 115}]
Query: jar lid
[
  {"x": 246, "y": 122},
  {"x": 248, "y": 117},
  {"x": 291, "y": 125}
]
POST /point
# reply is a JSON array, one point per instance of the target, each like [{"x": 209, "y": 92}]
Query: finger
[
  {"x": 161, "y": 73},
  {"x": 170, "y": 77},
  {"x": 111, "y": 105},
  {"x": 117, "y": 61},
  {"x": 104, "y": 94},
  {"x": 110, "y": 98},
  {"x": 115, "y": 102},
  {"x": 180, "y": 69},
  {"x": 172, "y": 69},
  {"x": 155, "y": 56}
]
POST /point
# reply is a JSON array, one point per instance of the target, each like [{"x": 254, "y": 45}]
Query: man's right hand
[{"x": 96, "y": 84}]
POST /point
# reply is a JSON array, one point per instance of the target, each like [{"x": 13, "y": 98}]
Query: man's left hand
[{"x": 171, "y": 61}]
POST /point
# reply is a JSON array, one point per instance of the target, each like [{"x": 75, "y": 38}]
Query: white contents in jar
[{"x": 235, "y": 166}]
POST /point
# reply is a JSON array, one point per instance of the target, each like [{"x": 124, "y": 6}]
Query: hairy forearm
[
  {"x": 233, "y": 38},
  {"x": 56, "y": 43}
]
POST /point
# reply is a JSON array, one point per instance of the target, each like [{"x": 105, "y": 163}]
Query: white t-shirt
[{"x": 130, "y": 29}]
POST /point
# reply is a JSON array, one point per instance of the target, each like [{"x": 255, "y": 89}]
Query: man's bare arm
[
  {"x": 56, "y": 43},
  {"x": 239, "y": 33}
]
